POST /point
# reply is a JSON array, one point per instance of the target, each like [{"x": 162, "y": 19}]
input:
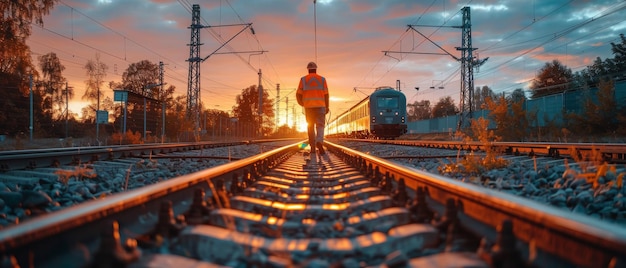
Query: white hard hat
[{"x": 311, "y": 65}]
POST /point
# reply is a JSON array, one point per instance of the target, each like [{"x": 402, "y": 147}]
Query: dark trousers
[{"x": 315, "y": 119}]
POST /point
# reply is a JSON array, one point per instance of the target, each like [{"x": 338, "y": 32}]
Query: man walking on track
[{"x": 312, "y": 94}]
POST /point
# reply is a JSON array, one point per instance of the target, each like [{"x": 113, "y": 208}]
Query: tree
[
  {"x": 601, "y": 116},
  {"x": 216, "y": 122},
  {"x": 15, "y": 28},
  {"x": 419, "y": 110},
  {"x": 517, "y": 95},
  {"x": 176, "y": 120},
  {"x": 141, "y": 78},
  {"x": 509, "y": 116},
  {"x": 611, "y": 68},
  {"x": 96, "y": 72},
  {"x": 618, "y": 62},
  {"x": 445, "y": 107},
  {"x": 53, "y": 84},
  {"x": 480, "y": 95},
  {"x": 246, "y": 110},
  {"x": 552, "y": 78},
  {"x": 15, "y": 60}
]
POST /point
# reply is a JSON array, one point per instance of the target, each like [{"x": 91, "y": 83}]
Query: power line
[
  {"x": 315, "y": 26},
  {"x": 221, "y": 41},
  {"x": 418, "y": 45},
  {"x": 562, "y": 33},
  {"x": 115, "y": 56},
  {"x": 525, "y": 27},
  {"x": 118, "y": 33}
]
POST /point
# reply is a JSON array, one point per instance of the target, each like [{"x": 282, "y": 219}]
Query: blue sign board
[
  {"x": 120, "y": 95},
  {"x": 102, "y": 117}
]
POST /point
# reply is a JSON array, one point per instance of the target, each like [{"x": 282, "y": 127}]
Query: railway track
[{"x": 275, "y": 210}]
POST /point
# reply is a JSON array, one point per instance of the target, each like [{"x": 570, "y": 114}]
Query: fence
[{"x": 548, "y": 109}]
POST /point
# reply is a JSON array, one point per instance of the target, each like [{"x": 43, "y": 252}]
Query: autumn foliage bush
[{"x": 128, "y": 138}]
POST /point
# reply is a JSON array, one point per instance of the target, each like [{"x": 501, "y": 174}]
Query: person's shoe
[
  {"x": 321, "y": 149},
  {"x": 313, "y": 160}
]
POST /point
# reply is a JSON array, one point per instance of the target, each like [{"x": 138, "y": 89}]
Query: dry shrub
[
  {"x": 476, "y": 164},
  {"x": 79, "y": 173},
  {"x": 128, "y": 138},
  {"x": 593, "y": 167}
]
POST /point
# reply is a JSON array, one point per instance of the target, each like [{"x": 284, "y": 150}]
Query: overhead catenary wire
[
  {"x": 526, "y": 27},
  {"x": 315, "y": 27},
  {"x": 556, "y": 35},
  {"x": 415, "y": 46},
  {"x": 172, "y": 73},
  {"x": 73, "y": 38},
  {"x": 615, "y": 7},
  {"x": 217, "y": 36}
]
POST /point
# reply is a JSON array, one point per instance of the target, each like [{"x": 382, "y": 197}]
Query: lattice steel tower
[
  {"x": 468, "y": 62},
  {"x": 193, "y": 81}
]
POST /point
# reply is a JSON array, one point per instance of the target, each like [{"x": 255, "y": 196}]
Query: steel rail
[
  {"x": 48, "y": 237},
  {"x": 609, "y": 151},
  {"x": 30, "y": 159},
  {"x": 581, "y": 240}
]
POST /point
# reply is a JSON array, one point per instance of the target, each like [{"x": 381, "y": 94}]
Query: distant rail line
[{"x": 610, "y": 152}]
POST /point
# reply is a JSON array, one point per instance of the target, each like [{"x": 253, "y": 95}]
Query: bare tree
[
  {"x": 480, "y": 95},
  {"x": 96, "y": 72}
]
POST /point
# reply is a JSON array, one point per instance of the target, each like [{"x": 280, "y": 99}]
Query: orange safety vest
[{"x": 313, "y": 89}]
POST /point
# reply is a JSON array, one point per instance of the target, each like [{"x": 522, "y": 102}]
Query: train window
[{"x": 387, "y": 102}]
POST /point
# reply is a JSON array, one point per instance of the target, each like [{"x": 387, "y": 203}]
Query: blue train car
[{"x": 380, "y": 115}]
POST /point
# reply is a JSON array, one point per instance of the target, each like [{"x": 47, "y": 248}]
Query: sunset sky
[{"x": 518, "y": 36}]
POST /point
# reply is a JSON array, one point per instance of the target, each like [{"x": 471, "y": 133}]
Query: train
[{"x": 381, "y": 115}]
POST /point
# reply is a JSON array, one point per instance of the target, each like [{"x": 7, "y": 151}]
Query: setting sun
[{"x": 302, "y": 126}]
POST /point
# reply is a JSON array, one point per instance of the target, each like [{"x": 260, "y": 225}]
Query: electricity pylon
[
  {"x": 193, "y": 81},
  {"x": 468, "y": 63}
]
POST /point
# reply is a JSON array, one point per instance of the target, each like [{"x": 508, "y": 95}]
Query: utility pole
[
  {"x": 277, "y": 105},
  {"x": 260, "y": 110},
  {"x": 287, "y": 111},
  {"x": 67, "y": 109},
  {"x": 162, "y": 97},
  {"x": 295, "y": 118},
  {"x": 31, "y": 108},
  {"x": 260, "y": 87},
  {"x": 98, "y": 113}
]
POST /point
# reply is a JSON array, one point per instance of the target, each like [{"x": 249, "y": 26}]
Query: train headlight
[
  {"x": 403, "y": 119},
  {"x": 373, "y": 119},
  {"x": 396, "y": 113},
  {"x": 381, "y": 113}
]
